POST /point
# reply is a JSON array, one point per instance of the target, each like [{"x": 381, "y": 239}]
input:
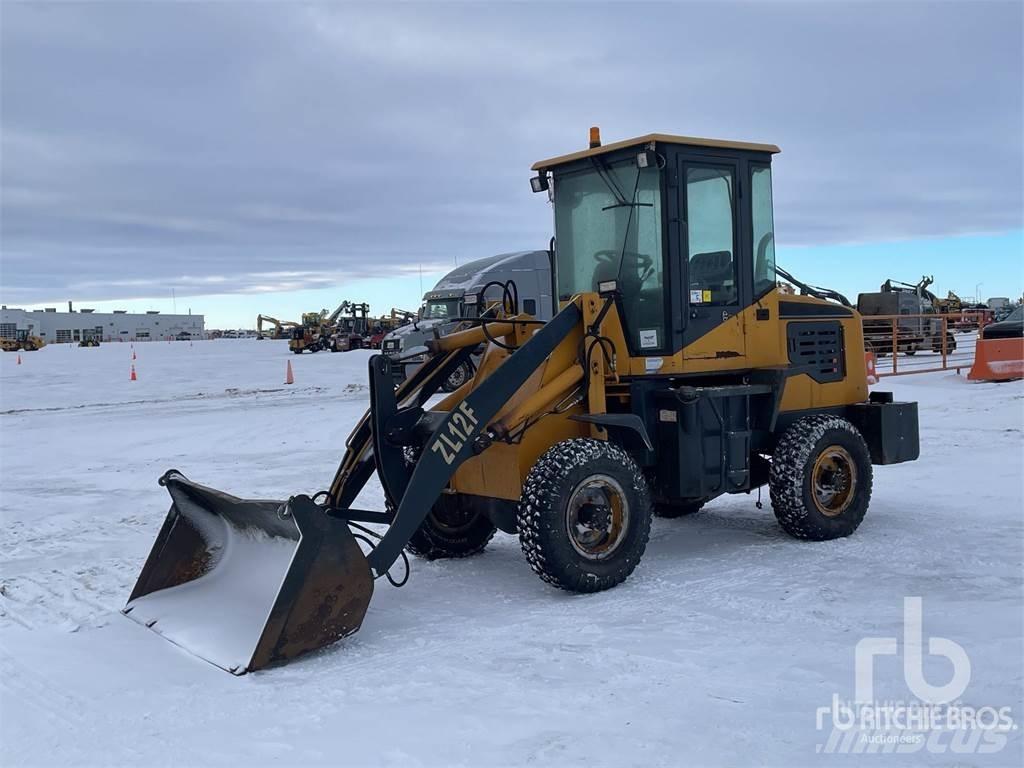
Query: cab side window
[
  {"x": 763, "y": 229},
  {"x": 710, "y": 193}
]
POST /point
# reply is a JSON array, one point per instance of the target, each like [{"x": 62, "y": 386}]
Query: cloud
[{"x": 230, "y": 148}]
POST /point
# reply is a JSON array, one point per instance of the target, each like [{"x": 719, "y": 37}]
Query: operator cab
[{"x": 682, "y": 225}]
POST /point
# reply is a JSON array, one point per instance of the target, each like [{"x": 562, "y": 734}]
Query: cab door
[{"x": 712, "y": 291}]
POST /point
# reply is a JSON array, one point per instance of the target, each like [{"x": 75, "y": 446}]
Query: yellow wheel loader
[
  {"x": 91, "y": 338},
  {"x": 22, "y": 341},
  {"x": 673, "y": 373}
]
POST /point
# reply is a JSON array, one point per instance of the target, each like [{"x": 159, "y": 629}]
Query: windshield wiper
[
  {"x": 606, "y": 177},
  {"x": 624, "y": 204},
  {"x": 620, "y": 202}
]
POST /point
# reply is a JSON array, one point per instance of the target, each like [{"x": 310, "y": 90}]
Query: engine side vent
[{"x": 817, "y": 349}]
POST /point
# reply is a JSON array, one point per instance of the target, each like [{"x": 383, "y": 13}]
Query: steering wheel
[
  {"x": 762, "y": 251},
  {"x": 608, "y": 256}
]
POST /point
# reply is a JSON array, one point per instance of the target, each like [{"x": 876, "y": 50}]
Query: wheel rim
[
  {"x": 457, "y": 377},
  {"x": 833, "y": 481},
  {"x": 597, "y": 517}
]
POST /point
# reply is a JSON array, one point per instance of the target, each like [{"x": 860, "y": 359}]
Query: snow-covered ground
[{"x": 718, "y": 651}]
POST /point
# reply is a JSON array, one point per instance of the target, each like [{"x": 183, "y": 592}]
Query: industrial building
[{"x": 64, "y": 327}]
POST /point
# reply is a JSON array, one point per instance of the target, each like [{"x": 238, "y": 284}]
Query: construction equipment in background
[
  {"x": 385, "y": 324},
  {"x": 90, "y": 338},
  {"x": 311, "y": 334},
  {"x": 345, "y": 328},
  {"x": 962, "y": 315},
  {"x": 673, "y": 372},
  {"x": 282, "y": 328},
  {"x": 951, "y": 305},
  {"x": 22, "y": 341},
  {"x": 316, "y": 330},
  {"x": 461, "y": 295},
  {"x": 912, "y": 334},
  {"x": 350, "y": 327}
]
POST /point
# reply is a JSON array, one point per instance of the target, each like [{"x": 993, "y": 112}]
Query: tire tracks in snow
[{"x": 29, "y": 687}]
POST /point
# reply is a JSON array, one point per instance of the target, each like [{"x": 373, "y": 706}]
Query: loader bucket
[{"x": 244, "y": 584}]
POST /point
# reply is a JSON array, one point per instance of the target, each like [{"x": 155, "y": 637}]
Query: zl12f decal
[{"x": 453, "y": 436}]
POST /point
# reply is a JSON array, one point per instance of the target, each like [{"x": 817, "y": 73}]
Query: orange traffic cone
[
  {"x": 870, "y": 367},
  {"x": 288, "y": 377},
  {"x": 19, "y": 359},
  {"x": 133, "y": 354},
  {"x": 133, "y": 377}
]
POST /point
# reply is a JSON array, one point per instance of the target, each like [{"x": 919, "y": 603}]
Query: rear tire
[
  {"x": 451, "y": 529},
  {"x": 820, "y": 480},
  {"x": 584, "y": 516}
]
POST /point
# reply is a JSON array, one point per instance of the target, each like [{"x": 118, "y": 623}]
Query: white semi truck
[{"x": 459, "y": 294}]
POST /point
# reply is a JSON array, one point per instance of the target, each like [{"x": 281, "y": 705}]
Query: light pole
[{"x": 977, "y": 293}]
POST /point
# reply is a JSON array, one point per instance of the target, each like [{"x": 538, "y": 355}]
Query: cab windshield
[
  {"x": 440, "y": 309},
  {"x": 608, "y": 226}
]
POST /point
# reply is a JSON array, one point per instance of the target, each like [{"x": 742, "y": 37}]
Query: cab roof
[{"x": 661, "y": 138}]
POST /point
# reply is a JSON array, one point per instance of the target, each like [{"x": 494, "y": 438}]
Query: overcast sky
[{"x": 225, "y": 148}]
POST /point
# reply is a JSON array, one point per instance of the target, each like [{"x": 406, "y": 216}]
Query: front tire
[
  {"x": 585, "y": 515},
  {"x": 820, "y": 480}
]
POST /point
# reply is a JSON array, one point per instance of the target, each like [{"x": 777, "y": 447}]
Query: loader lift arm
[{"x": 459, "y": 435}]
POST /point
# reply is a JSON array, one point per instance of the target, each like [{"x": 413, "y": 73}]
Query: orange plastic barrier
[
  {"x": 998, "y": 360},
  {"x": 869, "y": 366}
]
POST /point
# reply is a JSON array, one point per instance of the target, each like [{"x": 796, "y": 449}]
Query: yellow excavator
[
  {"x": 281, "y": 328},
  {"x": 674, "y": 372}
]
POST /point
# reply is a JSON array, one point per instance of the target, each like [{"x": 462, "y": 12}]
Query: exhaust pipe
[{"x": 244, "y": 584}]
